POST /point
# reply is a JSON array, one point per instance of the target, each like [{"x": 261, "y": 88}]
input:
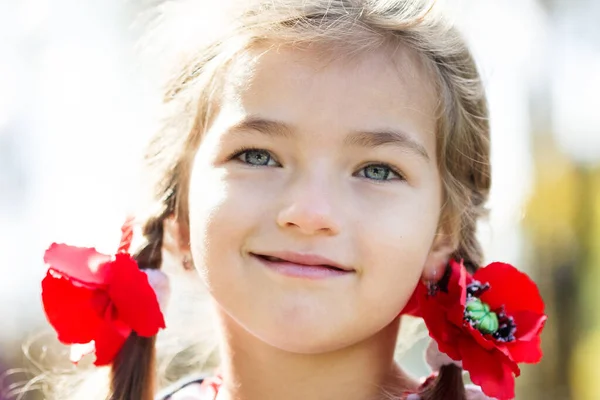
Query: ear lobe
[
  {"x": 438, "y": 257},
  {"x": 173, "y": 240}
]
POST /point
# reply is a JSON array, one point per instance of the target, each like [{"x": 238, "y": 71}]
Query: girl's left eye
[{"x": 379, "y": 172}]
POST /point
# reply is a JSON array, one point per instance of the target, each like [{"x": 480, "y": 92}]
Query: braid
[
  {"x": 469, "y": 250},
  {"x": 149, "y": 256},
  {"x": 132, "y": 372},
  {"x": 466, "y": 177},
  {"x": 448, "y": 385}
]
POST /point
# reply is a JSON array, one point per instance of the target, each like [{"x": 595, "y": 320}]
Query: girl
[{"x": 324, "y": 167}]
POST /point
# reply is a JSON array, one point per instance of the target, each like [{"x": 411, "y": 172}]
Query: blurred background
[{"x": 75, "y": 104}]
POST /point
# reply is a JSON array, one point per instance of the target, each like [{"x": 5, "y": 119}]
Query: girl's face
[{"x": 311, "y": 163}]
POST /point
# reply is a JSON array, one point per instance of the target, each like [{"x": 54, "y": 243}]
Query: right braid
[
  {"x": 448, "y": 385},
  {"x": 133, "y": 370},
  {"x": 467, "y": 182}
]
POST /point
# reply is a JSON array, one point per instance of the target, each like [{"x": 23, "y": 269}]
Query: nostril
[{"x": 309, "y": 217}]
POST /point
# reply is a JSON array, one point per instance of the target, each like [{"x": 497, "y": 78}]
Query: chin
[
  {"x": 311, "y": 332},
  {"x": 307, "y": 341}
]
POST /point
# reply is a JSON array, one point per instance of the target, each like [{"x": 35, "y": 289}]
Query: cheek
[
  {"x": 212, "y": 214},
  {"x": 223, "y": 213},
  {"x": 394, "y": 244},
  {"x": 400, "y": 226}
]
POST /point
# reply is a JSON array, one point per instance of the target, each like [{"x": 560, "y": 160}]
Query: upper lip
[{"x": 304, "y": 259}]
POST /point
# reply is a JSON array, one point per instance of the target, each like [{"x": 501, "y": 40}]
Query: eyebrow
[
  {"x": 265, "y": 126},
  {"x": 373, "y": 139},
  {"x": 370, "y": 139}
]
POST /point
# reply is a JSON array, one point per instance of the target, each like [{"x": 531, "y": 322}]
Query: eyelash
[
  {"x": 393, "y": 170},
  {"x": 240, "y": 151}
]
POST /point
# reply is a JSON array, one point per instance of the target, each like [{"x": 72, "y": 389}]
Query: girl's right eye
[{"x": 256, "y": 157}]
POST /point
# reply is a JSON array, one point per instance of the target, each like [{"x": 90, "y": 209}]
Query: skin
[{"x": 317, "y": 186}]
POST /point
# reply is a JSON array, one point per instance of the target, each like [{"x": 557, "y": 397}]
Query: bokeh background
[{"x": 75, "y": 104}]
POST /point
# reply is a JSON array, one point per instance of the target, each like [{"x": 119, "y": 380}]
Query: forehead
[{"x": 382, "y": 88}]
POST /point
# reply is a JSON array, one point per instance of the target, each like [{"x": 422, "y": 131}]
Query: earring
[
  {"x": 187, "y": 263},
  {"x": 432, "y": 284}
]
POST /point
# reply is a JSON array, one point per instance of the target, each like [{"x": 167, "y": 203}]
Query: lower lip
[{"x": 300, "y": 270}]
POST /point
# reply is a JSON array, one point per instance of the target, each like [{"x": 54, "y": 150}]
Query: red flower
[
  {"x": 490, "y": 321},
  {"x": 94, "y": 298}
]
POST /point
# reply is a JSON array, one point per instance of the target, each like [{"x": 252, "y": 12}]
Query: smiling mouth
[
  {"x": 281, "y": 260},
  {"x": 310, "y": 267}
]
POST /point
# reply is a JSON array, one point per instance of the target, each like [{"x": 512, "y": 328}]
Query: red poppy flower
[
  {"x": 97, "y": 300},
  {"x": 490, "y": 321}
]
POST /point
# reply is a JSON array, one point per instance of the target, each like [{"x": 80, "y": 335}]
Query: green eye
[
  {"x": 379, "y": 172},
  {"x": 256, "y": 157}
]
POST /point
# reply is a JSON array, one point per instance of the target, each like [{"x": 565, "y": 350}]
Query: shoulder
[{"x": 189, "y": 388}]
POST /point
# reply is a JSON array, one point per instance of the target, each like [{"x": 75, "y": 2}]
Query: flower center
[
  {"x": 487, "y": 321},
  {"x": 481, "y": 317}
]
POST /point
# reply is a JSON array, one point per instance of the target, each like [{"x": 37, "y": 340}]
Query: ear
[
  {"x": 439, "y": 255},
  {"x": 173, "y": 240},
  {"x": 176, "y": 243}
]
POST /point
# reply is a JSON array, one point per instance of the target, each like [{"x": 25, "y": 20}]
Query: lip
[{"x": 310, "y": 266}]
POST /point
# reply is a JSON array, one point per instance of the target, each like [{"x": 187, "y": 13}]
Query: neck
[{"x": 254, "y": 370}]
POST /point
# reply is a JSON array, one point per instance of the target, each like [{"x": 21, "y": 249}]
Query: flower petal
[
  {"x": 509, "y": 287},
  {"x": 74, "y": 311},
  {"x": 109, "y": 342},
  {"x": 133, "y": 297},
  {"x": 78, "y": 263},
  {"x": 458, "y": 283},
  {"x": 485, "y": 369},
  {"x": 447, "y": 340},
  {"x": 526, "y": 352},
  {"x": 480, "y": 339},
  {"x": 443, "y": 311},
  {"x": 412, "y": 307},
  {"x": 529, "y": 324}
]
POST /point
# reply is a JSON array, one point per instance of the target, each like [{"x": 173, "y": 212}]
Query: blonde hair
[{"x": 353, "y": 27}]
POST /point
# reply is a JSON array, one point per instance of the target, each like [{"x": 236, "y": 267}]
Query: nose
[{"x": 310, "y": 208}]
